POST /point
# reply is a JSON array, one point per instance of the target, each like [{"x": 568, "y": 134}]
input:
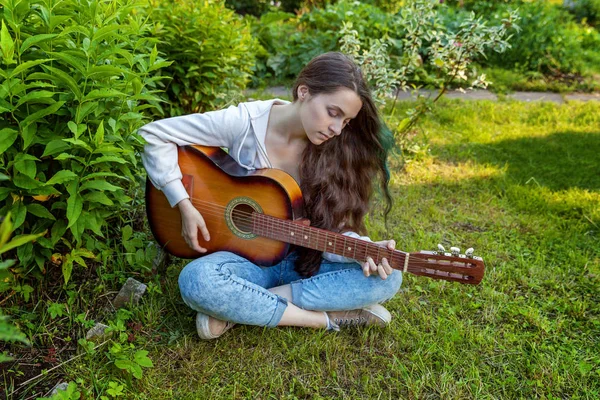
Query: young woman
[{"x": 329, "y": 139}]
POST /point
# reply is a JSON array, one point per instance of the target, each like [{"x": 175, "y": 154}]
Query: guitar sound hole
[{"x": 241, "y": 217}]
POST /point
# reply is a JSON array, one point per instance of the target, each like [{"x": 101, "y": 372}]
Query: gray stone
[
  {"x": 59, "y": 386},
  {"x": 583, "y": 97},
  {"x": 475, "y": 94},
  {"x": 537, "y": 96},
  {"x": 97, "y": 332},
  {"x": 161, "y": 259},
  {"x": 131, "y": 291}
]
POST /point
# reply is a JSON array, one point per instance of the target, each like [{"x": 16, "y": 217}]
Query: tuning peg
[
  {"x": 469, "y": 252},
  {"x": 455, "y": 251},
  {"x": 441, "y": 249}
]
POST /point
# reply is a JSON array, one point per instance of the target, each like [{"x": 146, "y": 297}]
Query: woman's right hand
[{"x": 191, "y": 223}]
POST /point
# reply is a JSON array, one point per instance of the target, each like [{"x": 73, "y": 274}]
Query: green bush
[
  {"x": 76, "y": 76},
  {"x": 212, "y": 51},
  {"x": 249, "y": 7},
  {"x": 549, "y": 40},
  {"x": 586, "y": 11},
  {"x": 290, "y": 42}
]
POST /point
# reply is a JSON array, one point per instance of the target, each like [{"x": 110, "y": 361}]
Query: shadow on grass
[{"x": 559, "y": 161}]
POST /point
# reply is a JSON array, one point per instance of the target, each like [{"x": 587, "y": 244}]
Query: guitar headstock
[{"x": 450, "y": 266}]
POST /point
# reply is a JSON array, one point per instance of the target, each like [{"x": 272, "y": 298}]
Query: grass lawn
[{"x": 518, "y": 182}]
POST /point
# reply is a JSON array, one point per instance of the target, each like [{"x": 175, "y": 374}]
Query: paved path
[{"x": 280, "y": 91}]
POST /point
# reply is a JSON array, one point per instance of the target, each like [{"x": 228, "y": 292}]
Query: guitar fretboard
[{"x": 323, "y": 240}]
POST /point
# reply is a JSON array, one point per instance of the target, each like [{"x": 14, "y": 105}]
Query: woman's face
[{"x": 325, "y": 115}]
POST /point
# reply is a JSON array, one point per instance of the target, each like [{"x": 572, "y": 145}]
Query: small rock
[
  {"x": 131, "y": 291},
  {"x": 161, "y": 259},
  {"x": 96, "y": 332},
  {"x": 59, "y": 386}
]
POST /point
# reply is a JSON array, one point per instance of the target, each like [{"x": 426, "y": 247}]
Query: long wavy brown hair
[{"x": 337, "y": 177}]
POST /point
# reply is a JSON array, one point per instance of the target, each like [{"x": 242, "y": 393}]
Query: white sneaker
[{"x": 203, "y": 327}]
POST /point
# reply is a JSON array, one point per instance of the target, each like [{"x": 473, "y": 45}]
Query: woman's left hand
[{"x": 384, "y": 269}]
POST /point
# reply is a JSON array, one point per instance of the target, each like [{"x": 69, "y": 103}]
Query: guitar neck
[{"x": 323, "y": 240}]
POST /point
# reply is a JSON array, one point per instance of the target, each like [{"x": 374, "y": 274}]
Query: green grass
[{"x": 518, "y": 182}]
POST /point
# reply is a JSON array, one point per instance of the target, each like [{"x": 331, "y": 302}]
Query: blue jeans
[{"x": 231, "y": 288}]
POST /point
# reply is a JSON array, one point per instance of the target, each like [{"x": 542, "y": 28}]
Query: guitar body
[{"x": 225, "y": 194}]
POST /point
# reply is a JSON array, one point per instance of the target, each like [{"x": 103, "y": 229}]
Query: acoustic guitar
[{"x": 258, "y": 215}]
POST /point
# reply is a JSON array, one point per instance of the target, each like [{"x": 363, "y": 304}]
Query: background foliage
[
  {"x": 211, "y": 50},
  {"x": 76, "y": 78}
]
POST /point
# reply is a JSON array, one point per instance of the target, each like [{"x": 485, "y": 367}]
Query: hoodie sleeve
[
  {"x": 341, "y": 259},
  {"x": 214, "y": 128}
]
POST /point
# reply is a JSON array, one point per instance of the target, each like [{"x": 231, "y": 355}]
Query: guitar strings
[
  {"x": 362, "y": 247},
  {"x": 217, "y": 210},
  {"x": 281, "y": 230}
]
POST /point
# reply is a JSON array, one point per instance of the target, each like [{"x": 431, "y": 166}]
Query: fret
[
  {"x": 335, "y": 243},
  {"x": 378, "y": 249},
  {"x": 366, "y": 251},
  {"x": 326, "y": 241},
  {"x": 294, "y": 233},
  {"x": 305, "y": 237},
  {"x": 355, "y": 244}
]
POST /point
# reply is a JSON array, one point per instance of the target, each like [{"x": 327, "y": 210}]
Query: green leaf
[
  {"x": 83, "y": 252},
  {"x": 36, "y": 95},
  {"x": 97, "y": 197},
  {"x": 26, "y": 290},
  {"x": 141, "y": 358},
  {"x": 98, "y": 185},
  {"x": 403, "y": 124},
  {"x": 40, "y": 211},
  {"x": 101, "y": 33},
  {"x": 56, "y": 309},
  {"x": 62, "y": 177},
  {"x": 55, "y": 146},
  {"x": 103, "y": 71},
  {"x": 153, "y": 55},
  {"x": 6, "y": 229},
  {"x": 103, "y": 94},
  {"x": 85, "y": 110},
  {"x": 19, "y": 241},
  {"x": 30, "y": 41},
  {"x": 7, "y": 264},
  {"x": 99, "y": 136},
  {"x": 75, "y": 129},
  {"x": 20, "y": 212},
  {"x": 66, "y": 156},
  {"x": 28, "y": 134},
  {"x": 94, "y": 222},
  {"x": 74, "y": 208},
  {"x": 159, "y": 65},
  {"x": 126, "y": 232},
  {"x": 67, "y": 269},
  {"x": 7, "y": 138},
  {"x": 25, "y": 182},
  {"x": 79, "y": 143},
  {"x": 41, "y": 113},
  {"x": 101, "y": 174},
  {"x": 6, "y": 44},
  {"x": 108, "y": 159},
  {"x": 69, "y": 60},
  {"x": 58, "y": 230},
  {"x": 66, "y": 79},
  {"x": 26, "y": 65}
]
